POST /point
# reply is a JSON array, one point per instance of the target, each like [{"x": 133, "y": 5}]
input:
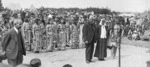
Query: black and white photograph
[{"x": 74, "y": 33}]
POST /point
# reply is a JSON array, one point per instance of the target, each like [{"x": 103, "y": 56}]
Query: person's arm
[
  {"x": 33, "y": 32},
  {"x": 85, "y": 33},
  {"x": 5, "y": 41},
  {"x": 46, "y": 31},
  {"x": 23, "y": 29}
]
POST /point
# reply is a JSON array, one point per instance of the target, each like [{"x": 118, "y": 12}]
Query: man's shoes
[
  {"x": 36, "y": 52},
  {"x": 88, "y": 62},
  {"x": 101, "y": 59}
]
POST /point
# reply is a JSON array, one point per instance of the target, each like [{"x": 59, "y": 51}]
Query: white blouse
[{"x": 103, "y": 32}]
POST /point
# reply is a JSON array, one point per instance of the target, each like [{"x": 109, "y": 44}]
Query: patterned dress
[
  {"x": 36, "y": 38},
  {"x": 50, "y": 35},
  {"x": 81, "y": 43},
  {"x": 115, "y": 39},
  {"x": 26, "y": 34},
  {"x": 75, "y": 37},
  {"x": 62, "y": 37},
  {"x": 43, "y": 36},
  {"x": 56, "y": 37},
  {"x": 67, "y": 33}
]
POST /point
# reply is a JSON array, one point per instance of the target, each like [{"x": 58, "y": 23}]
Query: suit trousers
[
  {"x": 17, "y": 61},
  {"x": 89, "y": 50}
]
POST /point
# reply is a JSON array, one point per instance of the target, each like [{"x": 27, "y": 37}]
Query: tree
[
  {"x": 98, "y": 10},
  {"x": 1, "y": 6}
]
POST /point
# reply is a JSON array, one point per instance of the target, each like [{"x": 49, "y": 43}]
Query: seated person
[{"x": 135, "y": 35}]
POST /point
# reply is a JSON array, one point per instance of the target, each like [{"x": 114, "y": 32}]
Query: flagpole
[
  {"x": 119, "y": 55},
  {"x": 119, "y": 61}
]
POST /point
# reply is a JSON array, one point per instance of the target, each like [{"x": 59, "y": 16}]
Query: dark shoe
[
  {"x": 101, "y": 59},
  {"x": 109, "y": 47},
  {"x": 67, "y": 46},
  {"x": 36, "y": 52},
  {"x": 88, "y": 62}
]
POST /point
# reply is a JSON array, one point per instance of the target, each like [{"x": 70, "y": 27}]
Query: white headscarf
[{"x": 102, "y": 21}]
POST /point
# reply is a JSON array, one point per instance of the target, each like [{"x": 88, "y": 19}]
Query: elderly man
[
  {"x": 89, "y": 37},
  {"x": 13, "y": 45}
]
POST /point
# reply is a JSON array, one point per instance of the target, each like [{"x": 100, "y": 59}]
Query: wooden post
[{"x": 119, "y": 60}]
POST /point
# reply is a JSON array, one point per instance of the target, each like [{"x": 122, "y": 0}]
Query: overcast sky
[{"x": 117, "y": 5}]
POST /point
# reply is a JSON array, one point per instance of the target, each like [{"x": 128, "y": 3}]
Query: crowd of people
[{"x": 48, "y": 31}]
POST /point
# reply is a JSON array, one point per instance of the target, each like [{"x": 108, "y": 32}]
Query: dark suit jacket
[
  {"x": 99, "y": 32},
  {"x": 89, "y": 32},
  {"x": 11, "y": 45}
]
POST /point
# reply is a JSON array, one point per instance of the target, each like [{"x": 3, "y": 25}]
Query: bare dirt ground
[{"x": 133, "y": 54}]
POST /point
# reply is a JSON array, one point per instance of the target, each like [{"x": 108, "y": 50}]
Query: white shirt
[
  {"x": 103, "y": 32},
  {"x": 16, "y": 29}
]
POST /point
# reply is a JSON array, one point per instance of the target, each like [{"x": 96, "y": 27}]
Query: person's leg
[
  {"x": 12, "y": 62},
  {"x": 35, "y": 46},
  {"x": 105, "y": 47},
  {"x": 0, "y": 60},
  {"x": 101, "y": 50},
  {"x": 115, "y": 51},
  {"x": 50, "y": 44},
  {"x": 112, "y": 51},
  {"x": 89, "y": 52}
]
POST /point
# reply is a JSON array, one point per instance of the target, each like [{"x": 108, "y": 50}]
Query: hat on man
[
  {"x": 67, "y": 65},
  {"x": 36, "y": 62}
]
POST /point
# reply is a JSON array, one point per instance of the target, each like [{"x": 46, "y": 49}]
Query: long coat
[
  {"x": 13, "y": 43},
  {"x": 89, "y": 33},
  {"x": 101, "y": 47}
]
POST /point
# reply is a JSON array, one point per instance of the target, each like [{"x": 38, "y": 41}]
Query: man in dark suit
[
  {"x": 13, "y": 45},
  {"x": 102, "y": 37},
  {"x": 89, "y": 37}
]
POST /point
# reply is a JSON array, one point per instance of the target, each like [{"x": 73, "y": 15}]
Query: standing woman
[
  {"x": 36, "y": 36},
  {"x": 26, "y": 34},
  {"x": 81, "y": 43},
  {"x": 55, "y": 32},
  {"x": 62, "y": 35},
  {"x": 43, "y": 34},
  {"x": 67, "y": 33},
  {"x": 103, "y": 35},
  {"x": 50, "y": 35},
  {"x": 71, "y": 32},
  {"x": 75, "y": 36}
]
